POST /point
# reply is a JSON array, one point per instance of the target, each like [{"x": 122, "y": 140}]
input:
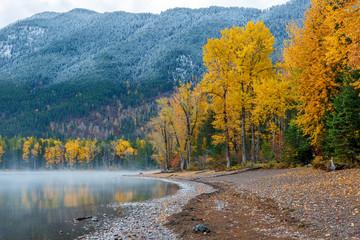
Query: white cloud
[{"x": 13, "y": 10}]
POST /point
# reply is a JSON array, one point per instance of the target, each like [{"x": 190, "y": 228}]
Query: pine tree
[{"x": 343, "y": 140}]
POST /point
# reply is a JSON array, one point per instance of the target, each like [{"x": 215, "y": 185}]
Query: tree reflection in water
[{"x": 39, "y": 205}]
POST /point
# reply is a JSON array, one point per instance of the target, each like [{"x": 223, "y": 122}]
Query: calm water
[{"x": 38, "y": 205}]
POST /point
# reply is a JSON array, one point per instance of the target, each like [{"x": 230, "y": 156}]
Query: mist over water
[{"x": 38, "y": 205}]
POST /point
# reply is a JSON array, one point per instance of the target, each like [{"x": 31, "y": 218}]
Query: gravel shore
[
  {"x": 326, "y": 203},
  {"x": 261, "y": 204},
  {"x": 145, "y": 220}
]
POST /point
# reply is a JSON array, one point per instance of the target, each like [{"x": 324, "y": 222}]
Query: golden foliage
[
  {"x": 235, "y": 62},
  {"x": 1, "y": 152},
  {"x": 317, "y": 53},
  {"x": 54, "y": 153}
]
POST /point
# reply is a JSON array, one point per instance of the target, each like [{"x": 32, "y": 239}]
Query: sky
[{"x": 13, "y": 10}]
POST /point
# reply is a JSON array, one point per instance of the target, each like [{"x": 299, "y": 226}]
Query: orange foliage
[{"x": 316, "y": 55}]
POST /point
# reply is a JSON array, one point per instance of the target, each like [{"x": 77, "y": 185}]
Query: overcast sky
[{"x": 13, "y": 10}]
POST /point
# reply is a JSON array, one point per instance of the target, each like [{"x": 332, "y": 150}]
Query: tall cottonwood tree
[
  {"x": 160, "y": 136},
  {"x": 234, "y": 62},
  {"x": 188, "y": 107}
]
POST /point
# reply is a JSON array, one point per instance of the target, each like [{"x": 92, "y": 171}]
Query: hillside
[{"x": 83, "y": 73}]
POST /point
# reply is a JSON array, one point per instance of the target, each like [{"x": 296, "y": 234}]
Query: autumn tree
[
  {"x": 36, "y": 152},
  {"x": 125, "y": 151},
  {"x": 1, "y": 153},
  {"x": 161, "y": 136},
  {"x": 90, "y": 150},
  {"x": 26, "y": 149},
  {"x": 317, "y": 54},
  {"x": 187, "y": 112},
  {"x": 72, "y": 148},
  {"x": 233, "y": 63},
  {"x": 54, "y": 153},
  {"x": 273, "y": 98}
]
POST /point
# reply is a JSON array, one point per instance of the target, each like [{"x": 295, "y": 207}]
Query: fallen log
[
  {"x": 164, "y": 171},
  {"x": 76, "y": 220},
  {"x": 230, "y": 173}
]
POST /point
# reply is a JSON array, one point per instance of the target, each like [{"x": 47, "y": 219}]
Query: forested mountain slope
[{"x": 82, "y": 73}]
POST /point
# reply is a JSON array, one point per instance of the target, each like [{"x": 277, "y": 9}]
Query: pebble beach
[{"x": 146, "y": 219}]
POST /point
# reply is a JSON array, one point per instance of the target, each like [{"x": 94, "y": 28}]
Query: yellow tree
[
  {"x": 316, "y": 55},
  {"x": 1, "y": 153},
  {"x": 1, "y": 148},
  {"x": 121, "y": 147},
  {"x": 187, "y": 112},
  {"x": 36, "y": 152},
  {"x": 72, "y": 151},
  {"x": 90, "y": 150},
  {"x": 273, "y": 98},
  {"x": 130, "y": 155},
  {"x": 161, "y": 136},
  {"x": 217, "y": 84},
  {"x": 28, "y": 146},
  {"x": 124, "y": 150},
  {"x": 252, "y": 47},
  {"x": 26, "y": 149},
  {"x": 233, "y": 63},
  {"x": 54, "y": 153}
]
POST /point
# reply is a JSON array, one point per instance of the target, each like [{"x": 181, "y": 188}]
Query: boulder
[{"x": 200, "y": 228}]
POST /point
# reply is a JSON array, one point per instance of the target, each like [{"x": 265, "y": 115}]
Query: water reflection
[{"x": 39, "y": 205}]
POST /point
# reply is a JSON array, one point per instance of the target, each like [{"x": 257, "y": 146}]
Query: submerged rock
[{"x": 200, "y": 228}]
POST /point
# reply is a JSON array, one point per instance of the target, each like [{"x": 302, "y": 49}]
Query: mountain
[{"x": 66, "y": 74}]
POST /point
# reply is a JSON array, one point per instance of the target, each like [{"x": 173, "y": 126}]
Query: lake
[{"x": 42, "y": 205}]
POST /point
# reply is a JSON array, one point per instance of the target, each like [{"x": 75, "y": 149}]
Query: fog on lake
[{"x": 41, "y": 205}]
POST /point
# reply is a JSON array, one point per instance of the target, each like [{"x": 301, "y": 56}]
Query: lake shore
[
  {"x": 147, "y": 219},
  {"x": 260, "y": 204}
]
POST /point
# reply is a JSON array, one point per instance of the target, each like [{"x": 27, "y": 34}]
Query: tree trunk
[
  {"x": 252, "y": 143},
  {"x": 182, "y": 162},
  {"x": 166, "y": 150},
  {"x": 273, "y": 137},
  {"x": 188, "y": 154},
  {"x": 257, "y": 145},
  {"x": 227, "y": 155},
  {"x": 243, "y": 137}
]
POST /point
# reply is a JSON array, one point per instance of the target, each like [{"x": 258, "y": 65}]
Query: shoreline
[
  {"x": 260, "y": 204},
  {"x": 146, "y": 219}
]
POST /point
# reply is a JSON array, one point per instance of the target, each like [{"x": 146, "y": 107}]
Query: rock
[
  {"x": 94, "y": 219},
  {"x": 201, "y": 228}
]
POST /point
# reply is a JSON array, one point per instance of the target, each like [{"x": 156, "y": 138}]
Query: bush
[
  {"x": 270, "y": 164},
  {"x": 195, "y": 168},
  {"x": 319, "y": 163}
]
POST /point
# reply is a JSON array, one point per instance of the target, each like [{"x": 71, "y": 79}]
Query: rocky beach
[{"x": 259, "y": 204}]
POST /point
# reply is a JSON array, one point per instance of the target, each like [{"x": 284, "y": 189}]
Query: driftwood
[
  {"x": 76, "y": 220},
  {"x": 230, "y": 173},
  {"x": 166, "y": 171},
  {"x": 338, "y": 166},
  {"x": 206, "y": 170},
  {"x": 236, "y": 172}
]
